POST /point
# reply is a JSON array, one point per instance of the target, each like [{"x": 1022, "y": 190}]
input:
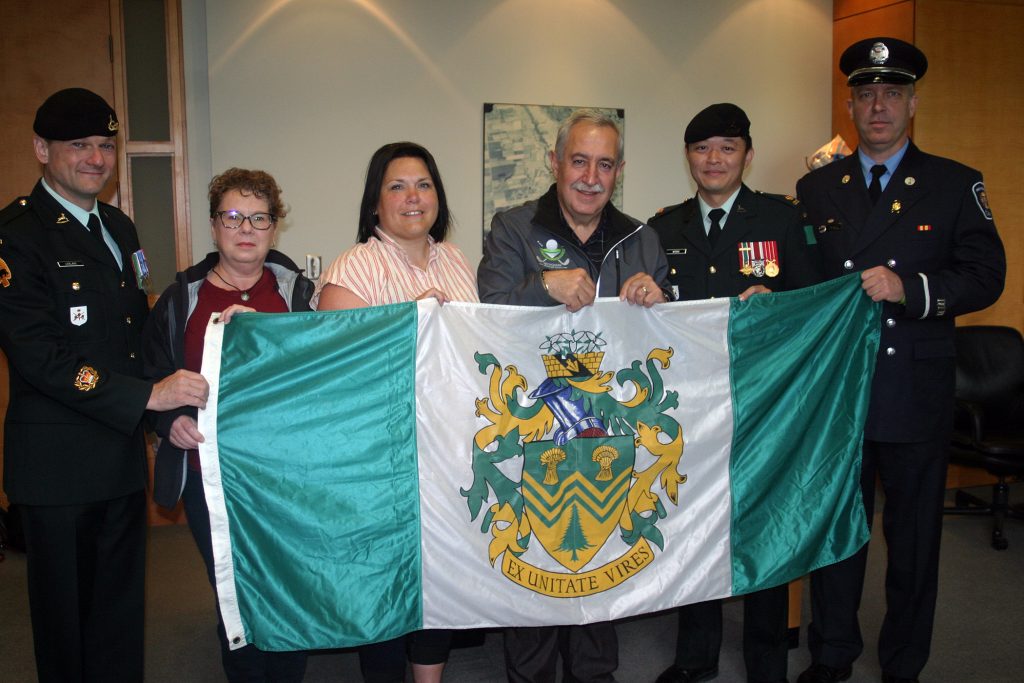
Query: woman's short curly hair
[{"x": 258, "y": 183}]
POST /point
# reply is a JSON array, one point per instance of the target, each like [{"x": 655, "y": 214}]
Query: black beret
[
  {"x": 74, "y": 113},
  {"x": 719, "y": 120},
  {"x": 882, "y": 60}
]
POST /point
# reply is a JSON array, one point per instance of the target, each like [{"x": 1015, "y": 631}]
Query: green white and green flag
[{"x": 381, "y": 470}]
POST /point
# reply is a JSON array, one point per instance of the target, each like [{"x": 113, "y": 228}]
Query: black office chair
[{"x": 989, "y": 423}]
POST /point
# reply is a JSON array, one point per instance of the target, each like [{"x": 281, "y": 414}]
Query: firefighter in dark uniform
[
  {"x": 72, "y": 307},
  {"x": 919, "y": 230},
  {"x": 762, "y": 244}
]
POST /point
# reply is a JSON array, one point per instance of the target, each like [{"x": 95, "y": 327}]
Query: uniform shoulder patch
[
  {"x": 5, "y": 275},
  {"x": 981, "y": 197}
]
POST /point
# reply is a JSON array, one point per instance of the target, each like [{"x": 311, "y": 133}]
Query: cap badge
[
  {"x": 879, "y": 54},
  {"x": 62, "y": 219},
  {"x": 112, "y": 125},
  {"x": 909, "y": 180},
  {"x": 87, "y": 378}
]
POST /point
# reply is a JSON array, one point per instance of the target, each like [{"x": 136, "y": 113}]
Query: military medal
[{"x": 759, "y": 258}]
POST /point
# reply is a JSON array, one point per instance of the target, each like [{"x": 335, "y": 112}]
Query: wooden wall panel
[
  {"x": 38, "y": 56},
  {"x": 969, "y": 109}
]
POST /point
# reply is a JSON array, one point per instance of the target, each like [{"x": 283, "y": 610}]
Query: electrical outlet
[{"x": 312, "y": 266}]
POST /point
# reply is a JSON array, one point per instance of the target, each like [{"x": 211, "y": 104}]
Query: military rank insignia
[
  {"x": 759, "y": 258},
  {"x": 87, "y": 378}
]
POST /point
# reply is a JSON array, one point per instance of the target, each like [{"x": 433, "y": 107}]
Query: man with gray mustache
[
  {"x": 571, "y": 244},
  {"x": 567, "y": 247}
]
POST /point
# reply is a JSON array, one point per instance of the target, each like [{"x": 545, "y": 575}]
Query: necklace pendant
[{"x": 245, "y": 296}]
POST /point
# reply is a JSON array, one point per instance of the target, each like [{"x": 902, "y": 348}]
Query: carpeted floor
[{"x": 978, "y": 633}]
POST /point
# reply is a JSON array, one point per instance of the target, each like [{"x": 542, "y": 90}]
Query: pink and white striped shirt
[{"x": 379, "y": 272}]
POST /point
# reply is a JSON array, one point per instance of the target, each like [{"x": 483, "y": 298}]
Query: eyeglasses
[{"x": 234, "y": 219}]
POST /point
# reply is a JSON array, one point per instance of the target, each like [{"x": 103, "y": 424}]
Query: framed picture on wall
[{"x": 517, "y": 138}]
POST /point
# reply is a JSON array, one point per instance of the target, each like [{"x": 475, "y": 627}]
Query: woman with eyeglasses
[
  {"x": 243, "y": 274},
  {"x": 401, "y": 255}
]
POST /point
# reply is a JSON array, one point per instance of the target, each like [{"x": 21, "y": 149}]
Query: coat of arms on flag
[{"x": 579, "y": 487}]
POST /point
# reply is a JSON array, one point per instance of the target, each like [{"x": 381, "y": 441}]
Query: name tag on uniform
[
  {"x": 675, "y": 252},
  {"x": 70, "y": 264}
]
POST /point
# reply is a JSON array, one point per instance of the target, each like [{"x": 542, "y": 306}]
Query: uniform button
[
  {"x": 890, "y": 322},
  {"x": 848, "y": 264},
  {"x": 712, "y": 270},
  {"x": 76, "y": 286},
  {"x": 122, "y": 284},
  {"x": 128, "y": 320},
  {"x": 890, "y": 351},
  {"x": 891, "y": 263},
  {"x": 132, "y": 355},
  {"x": 672, "y": 272}
]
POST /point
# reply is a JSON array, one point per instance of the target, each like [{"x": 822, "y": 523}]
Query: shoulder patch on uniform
[
  {"x": 981, "y": 197},
  {"x": 5, "y": 274}
]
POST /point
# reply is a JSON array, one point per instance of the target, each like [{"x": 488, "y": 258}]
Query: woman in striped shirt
[{"x": 401, "y": 255}]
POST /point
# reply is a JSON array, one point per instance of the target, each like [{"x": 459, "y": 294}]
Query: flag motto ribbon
[{"x": 377, "y": 471}]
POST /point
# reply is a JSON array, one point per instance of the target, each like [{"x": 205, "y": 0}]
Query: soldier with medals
[
  {"x": 731, "y": 241},
  {"x": 918, "y": 229},
  {"x": 72, "y": 307}
]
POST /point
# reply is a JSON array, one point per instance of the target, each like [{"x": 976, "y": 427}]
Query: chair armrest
[{"x": 974, "y": 415}]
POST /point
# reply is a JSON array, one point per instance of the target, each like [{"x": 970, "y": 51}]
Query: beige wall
[{"x": 309, "y": 88}]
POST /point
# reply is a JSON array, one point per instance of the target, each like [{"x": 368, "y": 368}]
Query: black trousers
[
  {"x": 913, "y": 478},
  {"x": 765, "y": 634},
  {"x": 86, "y": 588},
  {"x": 590, "y": 654}
]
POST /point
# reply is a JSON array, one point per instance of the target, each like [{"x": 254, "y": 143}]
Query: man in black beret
[
  {"x": 731, "y": 241},
  {"x": 72, "y": 306},
  {"x": 919, "y": 230}
]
